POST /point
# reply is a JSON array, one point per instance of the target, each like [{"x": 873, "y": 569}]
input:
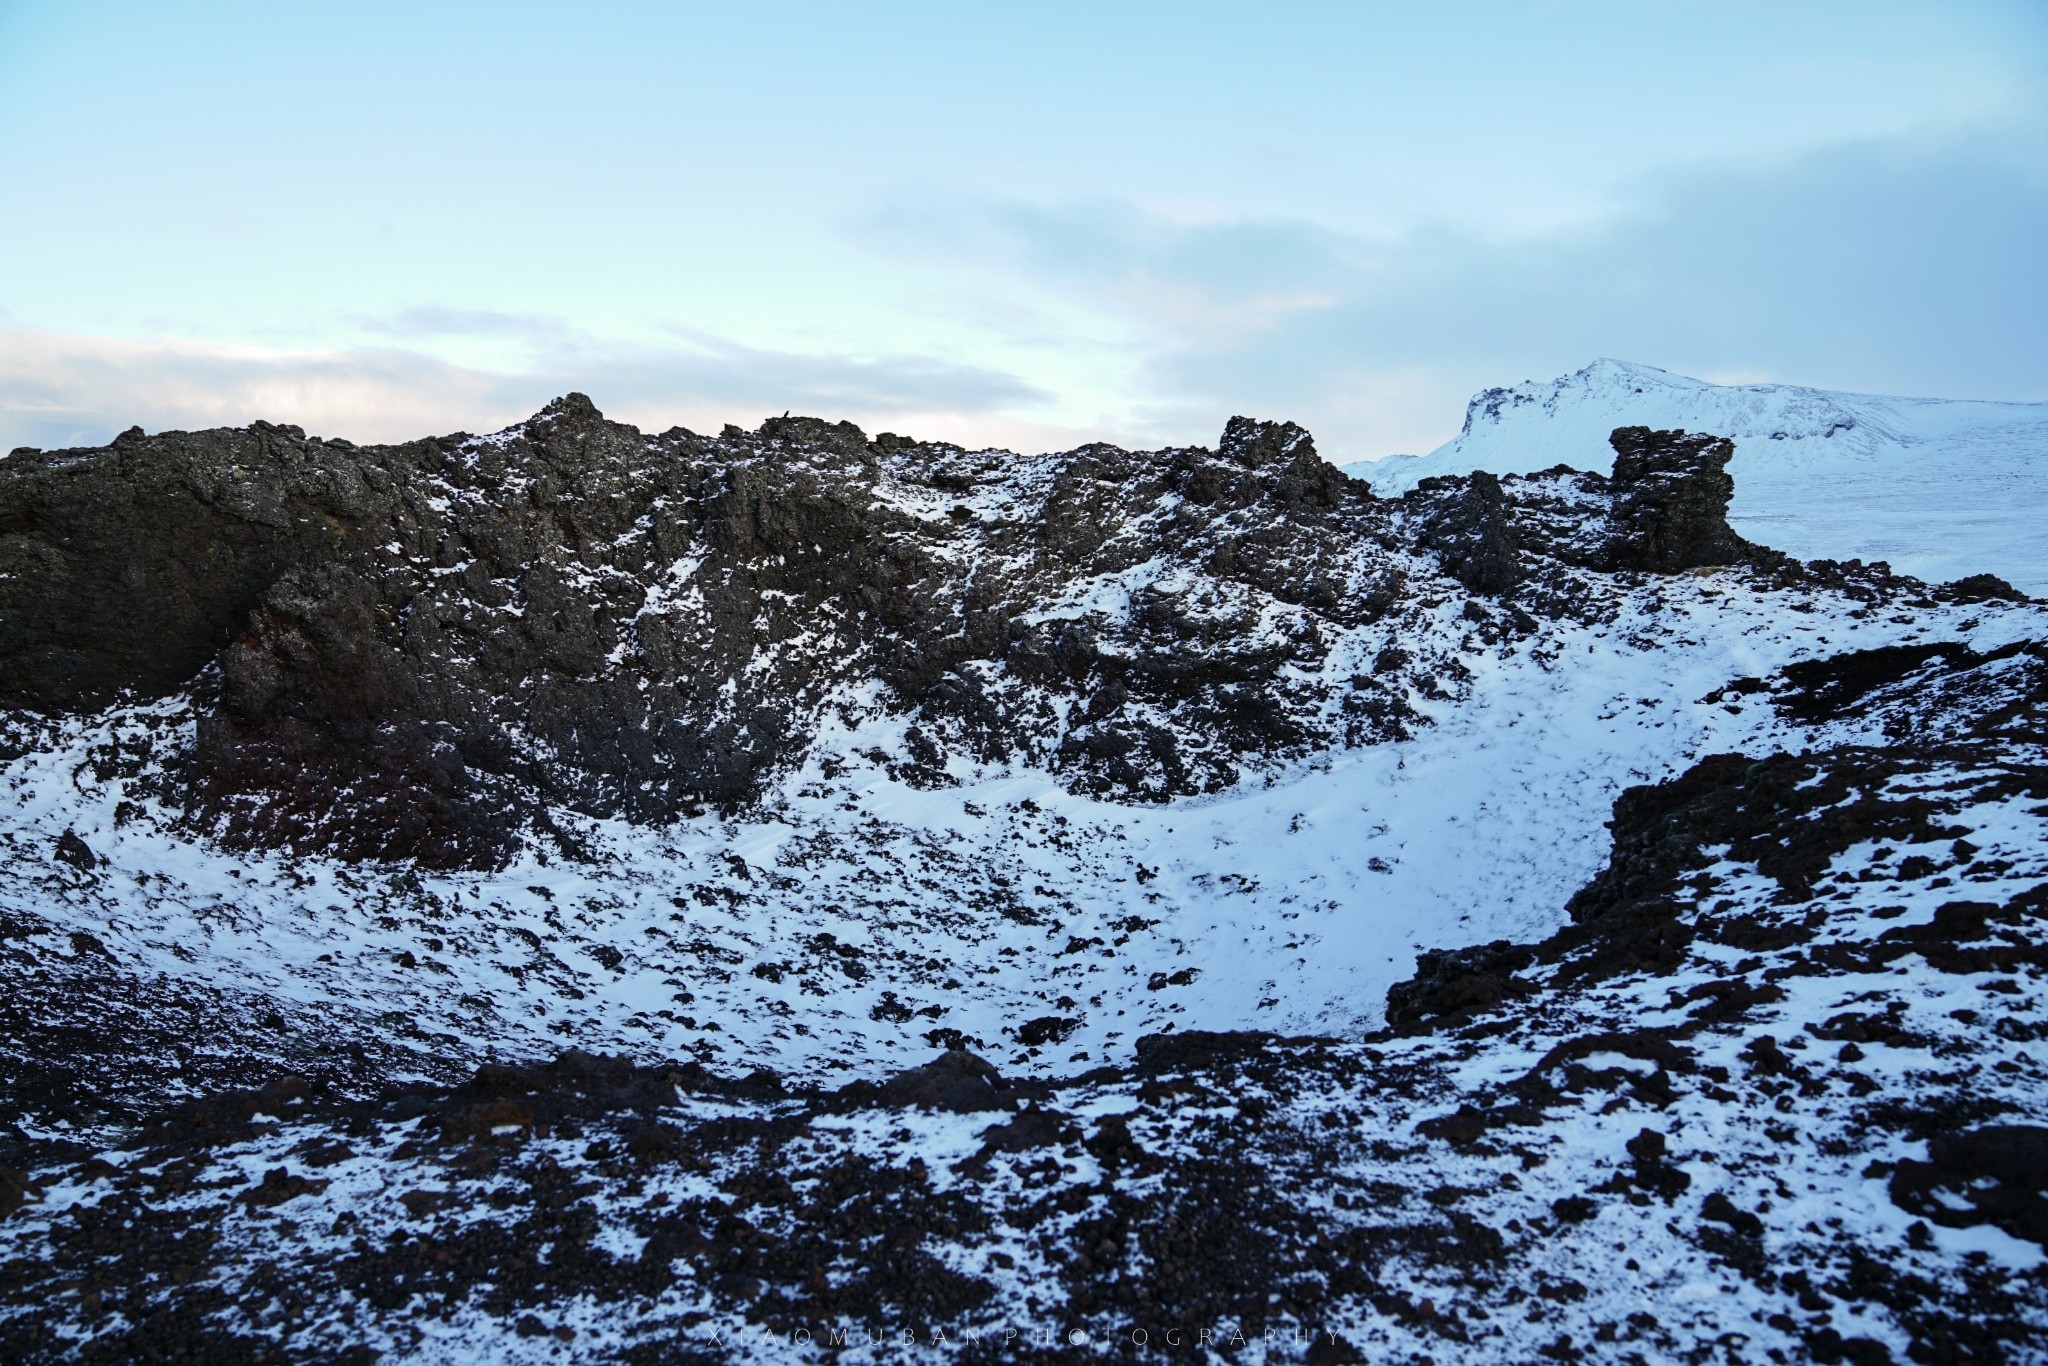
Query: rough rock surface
[
  {"x": 1671, "y": 492},
  {"x": 1474, "y": 534},
  {"x": 403, "y": 648},
  {"x": 412, "y": 641},
  {"x": 577, "y": 895}
]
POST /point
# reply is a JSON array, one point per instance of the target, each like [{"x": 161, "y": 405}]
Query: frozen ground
[{"x": 1767, "y": 1098}]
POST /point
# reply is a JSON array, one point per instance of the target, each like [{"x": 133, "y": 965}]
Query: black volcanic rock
[
  {"x": 76, "y": 852},
  {"x": 1996, "y": 1174},
  {"x": 415, "y": 643},
  {"x": 1473, "y": 533},
  {"x": 411, "y": 651},
  {"x": 1283, "y": 456},
  {"x": 126, "y": 568},
  {"x": 1450, "y": 985},
  {"x": 957, "y": 1080},
  {"x": 1670, "y": 495}
]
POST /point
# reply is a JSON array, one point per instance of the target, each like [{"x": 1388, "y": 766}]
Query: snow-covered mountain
[
  {"x": 1938, "y": 488},
  {"x": 574, "y": 894}
]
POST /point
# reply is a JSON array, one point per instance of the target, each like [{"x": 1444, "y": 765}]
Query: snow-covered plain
[{"x": 1939, "y": 488}]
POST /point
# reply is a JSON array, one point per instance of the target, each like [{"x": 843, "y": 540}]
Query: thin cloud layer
[
  {"x": 61, "y": 390},
  {"x": 1893, "y": 266}
]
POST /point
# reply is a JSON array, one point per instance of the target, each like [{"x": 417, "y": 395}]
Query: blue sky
[{"x": 1024, "y": 225}]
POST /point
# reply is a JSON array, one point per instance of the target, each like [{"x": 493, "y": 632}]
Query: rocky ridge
[
  {"x": 944, "y": 786},
  {"x": 402, "y": 650},
  {"x": 1937, "y": 488}
]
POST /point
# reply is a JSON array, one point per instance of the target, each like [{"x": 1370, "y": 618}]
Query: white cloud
[
  {"x": 1902, "y": 266},
  {"x": 61, "y": 389},
  {"x": 58, "y": 389}
]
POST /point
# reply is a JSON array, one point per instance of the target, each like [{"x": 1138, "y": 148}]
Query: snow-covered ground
[
  {"x": 1939, "y": 488},
  {"x": 1730, "y": 1068},
  {"x": 855, "y": 920},
  {"x": 1763, "y": 1140}
]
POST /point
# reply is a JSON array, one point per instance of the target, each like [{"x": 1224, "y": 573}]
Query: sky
[{"x": 1018, "y": 225}]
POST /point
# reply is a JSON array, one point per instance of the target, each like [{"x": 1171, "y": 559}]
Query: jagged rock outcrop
[
  {"x": 1664, "y": 508},
  {"x": 405, "y": 647},
  {"x": 1670, "y": 495},
  {"x": 1473, "y": 533},
  {"x": 1450, "y": 985},
  {"x": 125, "y": 569}
]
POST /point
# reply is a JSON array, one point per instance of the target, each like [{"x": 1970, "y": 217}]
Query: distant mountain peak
[{"x": 1936, "y": 487}]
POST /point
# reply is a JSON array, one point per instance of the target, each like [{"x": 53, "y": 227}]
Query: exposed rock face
[
  {"x": 415, "y": 641},
  {"x": 129, "y": 567},
  {"x": 1474, "y": 535},
  {"x": 1456, "y": 983},
  {"x": 416, "y": 644},
  {"x": 1671, "y": 492}
]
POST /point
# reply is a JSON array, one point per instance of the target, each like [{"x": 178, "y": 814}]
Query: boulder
[
  {"x": 1473, "y": 533},
  {"x": 1670, "y": 492}
]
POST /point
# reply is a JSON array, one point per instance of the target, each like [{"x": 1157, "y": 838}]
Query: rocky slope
[
  {"x": 407, "y": 647},
  {"x": 1148, "y": 904},
  {"x": 572, "y": 613}
]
